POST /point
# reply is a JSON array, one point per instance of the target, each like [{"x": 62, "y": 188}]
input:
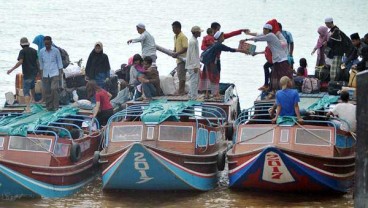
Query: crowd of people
[{"x": 334, "y": 49}]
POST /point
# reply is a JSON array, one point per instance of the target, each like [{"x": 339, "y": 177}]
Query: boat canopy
[{"x": 20, "y": 124}]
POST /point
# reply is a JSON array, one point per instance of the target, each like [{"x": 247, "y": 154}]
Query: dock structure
[{"x": 361, "y": 177}]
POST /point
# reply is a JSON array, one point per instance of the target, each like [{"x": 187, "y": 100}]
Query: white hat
[
  {"x": 84, "y": 124},
  {"x": 329, "y": 19},
  {"x": 141, "y": 25},
  {"x": 267, "y": 26},
  {"x": 217, "y": 35},
  {"x": 196, "y": 29}
]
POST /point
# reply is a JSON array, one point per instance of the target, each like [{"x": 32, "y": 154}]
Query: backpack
[
  {"x": 207, "y": 56},
  {"x": 64, "y": 57},
  {"x": 310, "y": 85}
]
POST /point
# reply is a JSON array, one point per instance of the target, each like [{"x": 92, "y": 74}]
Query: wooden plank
[{"x": 361, "y": 168}]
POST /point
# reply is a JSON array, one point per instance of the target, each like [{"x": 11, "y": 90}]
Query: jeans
[
  {"x": 101, "y": 77},
  {"x": 149, "y": 90}
]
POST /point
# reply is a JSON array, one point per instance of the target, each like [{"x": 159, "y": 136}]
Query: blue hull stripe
[
  {"x": 142, "y": 170},
  {"x": 16, "y": 184}
]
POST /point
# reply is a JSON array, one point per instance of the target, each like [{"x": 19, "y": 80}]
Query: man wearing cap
[
  {"x": 51, "y": 65},
  {"x": 339, "y": 44},
  {"x": 180, "y": 50},
  {"x": 147, "y": 41},
  {"x": 29, "y": 60},
  {"x": 193, "y": 63},
  {"x": 281, "y": 66}
]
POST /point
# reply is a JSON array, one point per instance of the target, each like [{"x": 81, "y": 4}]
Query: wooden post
[{"x": 361, "y": 161}]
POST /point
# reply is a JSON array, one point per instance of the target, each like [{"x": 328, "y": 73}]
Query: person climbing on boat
[
  {"x": 287, "y": 100},
  {"x": 281, "y": 66},
  {"x": 103, "y": 109},
  {"x": 98, "y": 65},
  {"x": 30, "y": 68},
  {"x": 346, "y": 113},
  {"x": 210, "y": 77}
]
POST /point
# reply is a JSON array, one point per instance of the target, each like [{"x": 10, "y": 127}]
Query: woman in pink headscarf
[{"x": 320, "y": 47}]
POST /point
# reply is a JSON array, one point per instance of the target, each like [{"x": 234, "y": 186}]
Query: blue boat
[{"x": 164, "y": 145}]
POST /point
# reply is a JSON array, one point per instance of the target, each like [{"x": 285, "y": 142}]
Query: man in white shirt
[
  {"x": 193, "y": 63},
  {"x": 147, "y": 41},
  {"x": 346, "y": 113}
]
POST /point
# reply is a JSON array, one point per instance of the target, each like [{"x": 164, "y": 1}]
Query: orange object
[{"x": 19, "y": 81}]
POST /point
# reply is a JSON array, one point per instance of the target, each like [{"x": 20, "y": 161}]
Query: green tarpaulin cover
[
  {"x": 19, "y": 125},
  {"x": 323, "y": 102},
  {"x": 162, "y": 110}
]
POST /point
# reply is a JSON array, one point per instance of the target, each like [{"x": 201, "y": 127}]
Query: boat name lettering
[
  {"x": 274, "y": 169},
  {"x": 141, "y": 165}
]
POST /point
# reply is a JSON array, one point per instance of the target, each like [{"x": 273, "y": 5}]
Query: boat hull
[
  {"x": 275, "y": 169},
  {"x": 15, "y": 184},
  {"x": 141, "y": 167}
]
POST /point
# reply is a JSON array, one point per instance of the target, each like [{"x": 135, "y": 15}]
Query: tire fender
[{"x": 75, "y": 152}]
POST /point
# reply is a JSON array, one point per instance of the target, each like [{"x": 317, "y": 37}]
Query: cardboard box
[{"x": 248, "y": 48}]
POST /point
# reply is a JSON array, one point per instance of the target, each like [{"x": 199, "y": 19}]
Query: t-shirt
[
  {"x": 29, "y": 66},
  {"x": 346, "y": 111},
  {"x": 287, "y": 99},
  {"x": 104, "y": 99},
  {"x": 181, "y": 41}
]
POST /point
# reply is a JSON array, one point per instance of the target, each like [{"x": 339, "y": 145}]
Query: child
[
  {"x": 208, "y": 40},
  {"x": 303, "y": 65}
]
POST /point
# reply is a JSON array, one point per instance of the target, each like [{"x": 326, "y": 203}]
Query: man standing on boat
[
  {"x": 147, "y": 41},
  {"x": 29, "y": 60},
  {"x": 193, "y": 63},
  {"x": 51, "y": 65},
  {"x": 180, "y": 49}
]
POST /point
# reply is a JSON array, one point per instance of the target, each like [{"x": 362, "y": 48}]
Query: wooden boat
[
  {"x": 45, "y": 154},
  {"x": 311, "y": 157},
  {"x": 164, "y": 145}
]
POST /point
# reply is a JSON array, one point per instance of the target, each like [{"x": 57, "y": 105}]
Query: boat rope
[
  {"x": 307, "y": 130},
  {"x": 258, "y": 135},
  {"x": 40, "y": 145}
]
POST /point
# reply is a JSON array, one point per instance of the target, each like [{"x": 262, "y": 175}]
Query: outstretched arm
[{"x": 20, "y": 62}]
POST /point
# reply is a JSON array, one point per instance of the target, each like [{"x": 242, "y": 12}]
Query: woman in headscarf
[
  {"x": 320, "y": 47},
  {"x": 98, "y": 65}
]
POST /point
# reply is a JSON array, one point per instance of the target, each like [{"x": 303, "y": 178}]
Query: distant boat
[
  {"x": 46, "y": 154},
  {"x": 312, "y": 157},
  {"x": 164, "y": 145}
]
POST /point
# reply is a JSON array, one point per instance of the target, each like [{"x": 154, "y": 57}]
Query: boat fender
[
  {"x": 96, "y": 157},
  {"x": 221, "y": 157},
  {"x": 229, "y": 131},
  {"x": 75, "y": 152}
]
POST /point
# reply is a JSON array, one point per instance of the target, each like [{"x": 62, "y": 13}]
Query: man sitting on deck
[
  {"x": 346, "y": 113},
  {"x": 150, "y": 80},
  {"x": 287, "y": 100}
]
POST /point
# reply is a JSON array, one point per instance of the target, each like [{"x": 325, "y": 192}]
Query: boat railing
[
  {"x": 50, "y": 132},
  {"x": 85, "y": 118},
  {"x": 54, "y": 127}
]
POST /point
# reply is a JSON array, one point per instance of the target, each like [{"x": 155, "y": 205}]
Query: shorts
[
  {"x": 180, "y": 68},
  {"x": 28, "y": 84}
]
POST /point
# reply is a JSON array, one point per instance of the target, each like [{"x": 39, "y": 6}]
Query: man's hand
[
  {"x": 9, "y": 71},
  {"x": 129, "y": 41},
  {"x": 274, "y": 120},
  {"x": 175, "y": 55}
]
